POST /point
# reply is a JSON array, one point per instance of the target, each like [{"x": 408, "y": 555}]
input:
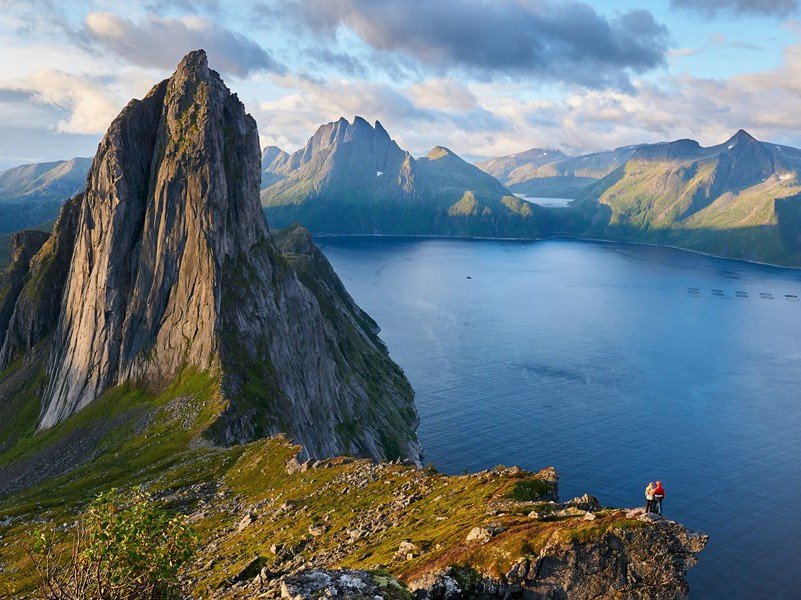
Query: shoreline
[{"x": 556, "y": 237}]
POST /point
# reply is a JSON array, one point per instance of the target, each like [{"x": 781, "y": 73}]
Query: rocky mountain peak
[
  {"x": 174, "y": 269},
  {"x": 438, "y": 152},
  {"x": 741, "y": 137}
]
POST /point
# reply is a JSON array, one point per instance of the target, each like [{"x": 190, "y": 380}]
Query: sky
[{"x": 482, "y": 77}]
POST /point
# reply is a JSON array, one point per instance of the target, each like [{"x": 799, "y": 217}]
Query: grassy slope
[
  {"x": 158, "y": 441},
  {"x": 668, "y": 203}
]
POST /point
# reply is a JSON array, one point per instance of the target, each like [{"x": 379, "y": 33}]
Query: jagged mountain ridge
[
  {"x": 173, "y": 270},
  {"x": 353, "y": 178}
]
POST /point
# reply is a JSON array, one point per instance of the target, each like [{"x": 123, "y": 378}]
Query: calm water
[
  {"x": 546, "y": 202},
  {"x": 603, "y": 361}
]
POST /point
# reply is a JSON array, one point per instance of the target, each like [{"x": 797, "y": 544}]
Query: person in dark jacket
[{"x": 659, "y": 495}]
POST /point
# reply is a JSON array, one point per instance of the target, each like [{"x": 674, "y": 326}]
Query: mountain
[
  {"x": 501, "y": 167},
  {"x": 164, "y": 267},
  {"x": 161, "y": 338},
  {"x": 553, "y": 174},
  {"x": 32, "y": 194},
  {"x": 739, "y": 199},
  {"x": 272, "y": 160},
  {"x": 353, "y": 178}
]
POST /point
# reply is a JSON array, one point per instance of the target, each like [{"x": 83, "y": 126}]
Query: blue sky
[{"x": 483, "y": 77}]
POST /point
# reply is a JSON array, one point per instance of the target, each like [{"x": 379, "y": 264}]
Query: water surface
[
  {"x": 546, "y": 202},
  {"x": 618, "y": 364}
]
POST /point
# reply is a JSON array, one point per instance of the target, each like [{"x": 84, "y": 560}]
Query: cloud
[
  {"x": 419, "y": 116},
  {"x": 681, "y": 52},
  {"x": 774, "y": 8},
  {"x": 563, "y": 42},
  {"x": 157, "y": 41},
  {"x": 488, "y": 119},
  {"x": 87, "y": 106}
]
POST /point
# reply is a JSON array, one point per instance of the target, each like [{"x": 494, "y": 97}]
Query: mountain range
[
  {"x": 351, "y": 177},
  {"x": 161, "y": 337},
  {"x": 736, "y": 199}
]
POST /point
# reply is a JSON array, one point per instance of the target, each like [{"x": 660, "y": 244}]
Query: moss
[{"x": 530, "y": 489}]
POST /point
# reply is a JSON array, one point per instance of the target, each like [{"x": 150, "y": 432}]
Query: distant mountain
[
  {"x": 552, "y": 173},
  {"x": 741, "y": 198},
  {"x": 502, "y": 167},
  {"x": 272, "y": 160},
  {"x": 353, "y": 178},
  {"x": 32, "y": 194},
  {"x": 44, "y": 182}
]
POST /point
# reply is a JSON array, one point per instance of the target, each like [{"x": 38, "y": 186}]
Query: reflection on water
[{"x": 618, "y": 364}]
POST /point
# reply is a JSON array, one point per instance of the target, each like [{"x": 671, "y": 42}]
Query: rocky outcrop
[
  {"x": 647, "y": 563},
  {"x": 24, "y": 244},
  {"x": 173, "y": 268},
  {"x": 37, "y": 307}
]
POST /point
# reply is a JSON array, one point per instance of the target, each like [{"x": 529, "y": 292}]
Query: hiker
[
  {"x": 659, "y": 494},
  {"x": 649, "y": 497}
]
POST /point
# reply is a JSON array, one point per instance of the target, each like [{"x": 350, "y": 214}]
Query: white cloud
[
  {"x": 88, "y": 106},
  {"x": 157, "y": 41}
]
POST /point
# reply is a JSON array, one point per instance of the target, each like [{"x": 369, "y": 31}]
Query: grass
[
  {"x": 158, "y": 441},
  {"x": 527, "y": 490}
]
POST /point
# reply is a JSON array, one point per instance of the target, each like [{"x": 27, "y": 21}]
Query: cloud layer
[
  {"x": 157, "y": 41},
  {"x": 780, "y": 8},
  {"x": 566, "y": 42}
]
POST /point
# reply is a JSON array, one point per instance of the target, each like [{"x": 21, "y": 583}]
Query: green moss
[{"x": 530, "y": 489}]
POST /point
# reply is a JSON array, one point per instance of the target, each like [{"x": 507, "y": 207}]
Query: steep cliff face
[
  {"x": 173, "y": 268},
  {"x": 24, "y": 245},
  {"x": 37, "y": 307}
]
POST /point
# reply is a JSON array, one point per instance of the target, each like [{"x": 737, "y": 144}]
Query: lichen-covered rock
[
  {"x": 37, "y": 306},
  {"x": 640, "y": 563},
  {"x": 174, "y": 268}
]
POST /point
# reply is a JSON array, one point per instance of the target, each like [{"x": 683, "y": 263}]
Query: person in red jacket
[{"x": 659, "y": 494}]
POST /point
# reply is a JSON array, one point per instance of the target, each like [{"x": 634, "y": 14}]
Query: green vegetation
[
  {"x": 527, "y": 490},
  {"x": 123, "y": 548}
]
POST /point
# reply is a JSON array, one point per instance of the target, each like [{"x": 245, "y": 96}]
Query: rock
[
  {"x": 439, "y": 586},
  {"x": 318, "y": 583},
  {"x": 173, "y": 267},
  {"x": 588, "y": 517},
  {"x": 249, "y": 571},
  {"x": 317, "y": 530},
  {"x": 585, "y": 502},
  {"x": 650, "y": 517},
  {"x": 570, "y": 511},
  {"x": 635, "y": 512},
  {"x": 407, "y": 550},
  {"x": 293, "y": 466},
  {"x": 479, "y": 534},
  {"x": 245, "y": 521},
  {"x": 37, "y": 306},
  {"x": 24, "y": 245}
]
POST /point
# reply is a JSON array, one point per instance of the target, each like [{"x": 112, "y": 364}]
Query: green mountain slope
[
  {"x": 353, "y": 178},
  {"x": 737, "y": 199}
]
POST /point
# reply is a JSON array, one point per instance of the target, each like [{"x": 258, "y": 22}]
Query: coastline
[{"x": 554, "y": 237}]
